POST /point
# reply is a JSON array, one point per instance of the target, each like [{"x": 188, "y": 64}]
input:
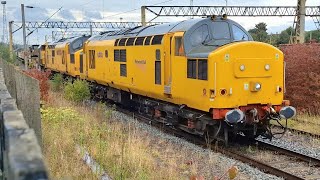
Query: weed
[
  {"x": 78, "y": 91},
  {"x": 56, "y": 83},
  {"x": 6, "y": 55}
]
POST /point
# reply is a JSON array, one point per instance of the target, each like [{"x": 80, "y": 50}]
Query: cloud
[
  {"x": 67, "y": 15},
  {"x": 34, "y": 14},
  {"x": 112, "y": 10},
  {"x": 90, "y": 15}
]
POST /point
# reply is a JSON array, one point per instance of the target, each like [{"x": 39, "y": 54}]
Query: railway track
[
  {"x": 268, "y": 145},
  {"x": 230, "y": 152}
]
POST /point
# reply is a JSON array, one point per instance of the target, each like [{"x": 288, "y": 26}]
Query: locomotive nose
[{"x": 245, "y": 77}]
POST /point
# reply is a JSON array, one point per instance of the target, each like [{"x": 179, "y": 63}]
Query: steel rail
[
  {"x": 289, "y": 152},
  {"x": 260, "y": 165}
]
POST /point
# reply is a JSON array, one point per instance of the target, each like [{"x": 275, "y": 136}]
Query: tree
[
  {"x": 315, "y": 35},
  {"x": 284, "y": 36},
  {"x": 259, "y": 32}
]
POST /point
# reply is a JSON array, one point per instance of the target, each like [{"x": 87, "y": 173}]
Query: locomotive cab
[{"x": 246, "y": 78}]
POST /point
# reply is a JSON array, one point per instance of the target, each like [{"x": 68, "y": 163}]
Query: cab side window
[
  {"x": 179, "y": 49},
  {"x": 238, "y": 34}
]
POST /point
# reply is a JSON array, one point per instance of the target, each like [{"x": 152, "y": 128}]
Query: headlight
[
  {"x": 257, "y": 86},
  {"x": 267, "y": 67},
  {"x": 242, "y": 67}
]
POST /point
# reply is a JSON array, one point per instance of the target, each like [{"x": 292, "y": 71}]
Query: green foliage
[
  {"x": 315, "y": 35},
  {"x": 259, "y": 32},
  {"x": 77, "y": 91},
  {"x": 56, "y": 83},
  {"x": 5, "y": 53},
  {"x": 284, "y": 36}
]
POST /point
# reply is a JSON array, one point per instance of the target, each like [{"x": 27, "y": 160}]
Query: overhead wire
[
  {"x": 137, "y": 9},
  {"x": 45, "y": 21},
  {"x": 87, "y": 3}
]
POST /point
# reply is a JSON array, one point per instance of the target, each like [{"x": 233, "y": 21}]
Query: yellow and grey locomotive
[{"x": 206, "y": 76}]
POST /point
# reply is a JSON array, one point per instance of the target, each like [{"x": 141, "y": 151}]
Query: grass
[
  {"x": 304, "y": 122},
  {"x": 59, "y": 144},
  {"x": 122, "y": 149}
]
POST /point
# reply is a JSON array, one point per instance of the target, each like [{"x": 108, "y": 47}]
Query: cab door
[
  {"x": 85, "y": 60},
  {"x": 81, "y": 63},
  {"x": 177, "y": 62},
  {"x": 178, "y": 87},
  {"x": 167, "y": 72},
  {"x": 64, "y": 61}
]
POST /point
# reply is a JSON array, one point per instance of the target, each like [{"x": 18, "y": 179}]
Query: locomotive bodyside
[{"x": 130, "y": 68}]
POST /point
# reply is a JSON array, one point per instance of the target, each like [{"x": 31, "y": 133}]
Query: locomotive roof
[
  {"x": 76, "y": 43},
  {"x": 153, "y": 29},
  {"x": 148, "y": 30},
  {"x": 202, "y": 35},
  {"x": 69, "y": 40}
]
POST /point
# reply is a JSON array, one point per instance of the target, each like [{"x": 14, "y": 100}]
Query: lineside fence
[{"x": 20, "y": 126}]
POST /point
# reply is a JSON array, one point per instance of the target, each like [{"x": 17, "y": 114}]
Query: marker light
[
  {"x": 267, "y": 67},
  {"x": 242, "y": 67}
]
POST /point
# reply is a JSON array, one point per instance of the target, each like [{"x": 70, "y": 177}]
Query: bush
[
  {"x": 303, "y": 77},
  {"x": 6, "y": 55},
  {"x": 77, "y": 91},
  {"x": 57, "y": 82},
  {"x": 43, "y": 78}
]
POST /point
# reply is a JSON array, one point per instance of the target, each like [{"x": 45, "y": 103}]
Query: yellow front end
[
  {"x": 246, "y": 73},
  {"x": 42, "y": 57},
  {"x": 73, "y": 63}
]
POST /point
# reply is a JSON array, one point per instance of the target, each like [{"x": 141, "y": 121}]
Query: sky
[{"x": 129, "y": 10}]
